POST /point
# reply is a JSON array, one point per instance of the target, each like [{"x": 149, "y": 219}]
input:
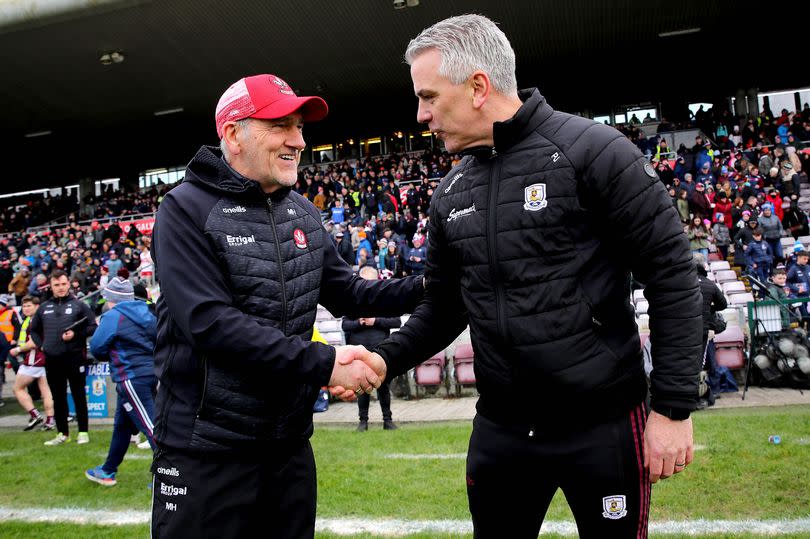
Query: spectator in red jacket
[
  {"x": 775, "y": 199},
  {"x": 723, "y": 205}
]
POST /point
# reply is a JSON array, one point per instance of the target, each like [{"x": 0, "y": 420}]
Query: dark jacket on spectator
[
  {"x": 53, "y": 318},
  {"x": 369, "y": 336},
  {"x": 713, "y": 300}
]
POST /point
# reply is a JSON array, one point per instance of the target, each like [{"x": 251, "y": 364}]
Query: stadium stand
[{"x": 374, "y": 201}]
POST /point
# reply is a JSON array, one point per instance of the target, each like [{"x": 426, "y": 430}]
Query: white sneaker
[
  {"x": 135, "y": 439},
  {"x": 59, "y": 440},
  {"x": 144, "y": 445},
  {"x": 83, "y": 438}
]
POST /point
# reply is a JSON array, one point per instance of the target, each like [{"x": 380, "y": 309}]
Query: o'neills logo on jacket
[
  {"x": 456, "y": 214},
  {"x": 234, "y": 241},
  {"x": 237, "y": 209}
]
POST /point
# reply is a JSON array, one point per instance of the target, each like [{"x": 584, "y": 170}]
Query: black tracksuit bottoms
[
  {"x": 60, "y": 372},
  {"x": 513, "y": 473},
  {"x": 270, "y": 493}
]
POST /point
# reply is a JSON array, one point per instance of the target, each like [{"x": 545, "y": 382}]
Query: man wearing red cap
[{"x": 243, "y": 261}]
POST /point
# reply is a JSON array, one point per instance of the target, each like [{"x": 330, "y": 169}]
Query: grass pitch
[{"x": 737, "y": 475}]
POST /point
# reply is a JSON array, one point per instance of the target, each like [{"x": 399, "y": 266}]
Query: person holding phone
[{"x": 60, "y": 328}]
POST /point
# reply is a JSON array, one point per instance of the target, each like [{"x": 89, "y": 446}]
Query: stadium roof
[{"x": 583, "y": 54}]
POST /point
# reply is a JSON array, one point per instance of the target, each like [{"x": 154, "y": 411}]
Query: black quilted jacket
[
  {"x": 241, "y": 275},
  {"x": 533, "y": 242}
]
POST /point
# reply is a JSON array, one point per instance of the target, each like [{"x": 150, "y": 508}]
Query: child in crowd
[
  {"x": 759, "y": 256},
  {"x": 722, "y": 238}
]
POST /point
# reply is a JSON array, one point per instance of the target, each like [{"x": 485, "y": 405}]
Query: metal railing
[{"x": 101, "y": 221}]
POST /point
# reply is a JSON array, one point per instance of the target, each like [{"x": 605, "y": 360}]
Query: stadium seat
[
  {"x": 642, "y": 307},
  {"x": 729, "y": 347},
  {"x": 741, "y": 300},
  {"x": 725, "y": 276},
  {"x": 733, "y": 287},
  {"x": 804, "y": 240},
  {"x": 326, "y": 326},
  {"x": 787, "y": 243},
  {"x": 731, "y": 316},
  {"x": 643, "y": 322},
  {"x": 710, "y": 276},
  {"x": 463, "y": 371},
  {"x": 430, "y": 373},
  {"x": 334, "y": 338},
  {"x": 323, "y": 314},
  {"x": 719, "y": 265},
  {"x": 638, "y": 295}
]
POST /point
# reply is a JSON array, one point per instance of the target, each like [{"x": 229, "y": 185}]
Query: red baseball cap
[{"x": 265, "y": 96}]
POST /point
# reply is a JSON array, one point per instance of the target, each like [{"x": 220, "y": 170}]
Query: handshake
[{"x": 356, "y": 371}]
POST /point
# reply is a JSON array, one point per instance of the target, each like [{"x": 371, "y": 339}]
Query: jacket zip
[
  {"x": 164, "y": 423},
  {"x": 205, "y": 385},
  {"x": 280, "y": 269},
  {"x": 492, "y": 231}
]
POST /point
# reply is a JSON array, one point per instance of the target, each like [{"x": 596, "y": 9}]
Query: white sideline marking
[
  {"x": 453, "y": 456},
  {"x": 132, "y": 456},
  {"x": 353, "y": 526},
  {"x": 8, "y": 453},
  {"x": 425, "y": 456}
]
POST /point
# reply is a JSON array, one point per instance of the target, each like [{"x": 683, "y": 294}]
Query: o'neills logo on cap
[
  {"x": 283, "y": 87},
  {"x": 300, "y": 238}
]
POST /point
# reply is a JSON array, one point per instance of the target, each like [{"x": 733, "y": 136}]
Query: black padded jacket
[
  {"x": 533, "y": 243},
  {"x": 241, "y": 275}
]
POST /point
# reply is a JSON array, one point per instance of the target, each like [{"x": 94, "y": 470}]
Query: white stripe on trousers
[{"x": 133, "y": 396}]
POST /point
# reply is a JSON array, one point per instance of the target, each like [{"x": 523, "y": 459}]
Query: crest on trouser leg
[{"x": 615, "y": 507}]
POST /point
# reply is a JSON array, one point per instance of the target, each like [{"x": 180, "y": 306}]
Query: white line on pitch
[
  {"x": 426, "y": 456},
  {"x": 353, "y": 526},
  {"x": 131, "y": 455}
]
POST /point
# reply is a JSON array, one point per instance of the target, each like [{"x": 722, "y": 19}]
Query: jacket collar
[
  {"x": 534, "y": 111},
  {"x": 210, "y": 169}
]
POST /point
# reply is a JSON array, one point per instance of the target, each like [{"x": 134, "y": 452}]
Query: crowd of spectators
[
  {"x": 90, "y": 255},
  {"x": 745, "y": 171},
  {"x": 742, "y": 191},
  {"x": 377, "y": 207}
]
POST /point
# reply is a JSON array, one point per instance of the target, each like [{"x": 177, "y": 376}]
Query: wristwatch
[{"x": 677, "y": 414}]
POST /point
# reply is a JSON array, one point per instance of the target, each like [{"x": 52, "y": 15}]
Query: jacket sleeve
[
  {"x": 350, "y": 324},
  {"x": 718, "y": 300},
  {"x": 201, "y": 305},
  {"x": 103, "y": 336},
  {"x": 388, "y": 323},
  {"x": 85, "y": 330},
  {"x": 439, "y": 318},
  {"x": 625, "y": 192},
  {"x": 346, "y": 294}
]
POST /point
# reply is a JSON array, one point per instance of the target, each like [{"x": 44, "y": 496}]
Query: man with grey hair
[{"x": 533, "y": 237}]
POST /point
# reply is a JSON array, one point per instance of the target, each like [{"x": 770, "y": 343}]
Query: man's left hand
[
  {"x": 668, "y": 447},
  {"x": 68, "y": 335}
]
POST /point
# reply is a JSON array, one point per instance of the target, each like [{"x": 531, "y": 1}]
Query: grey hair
[
  {"x": 468, "y": 43},
  {"x": 224, "y": 147}
]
